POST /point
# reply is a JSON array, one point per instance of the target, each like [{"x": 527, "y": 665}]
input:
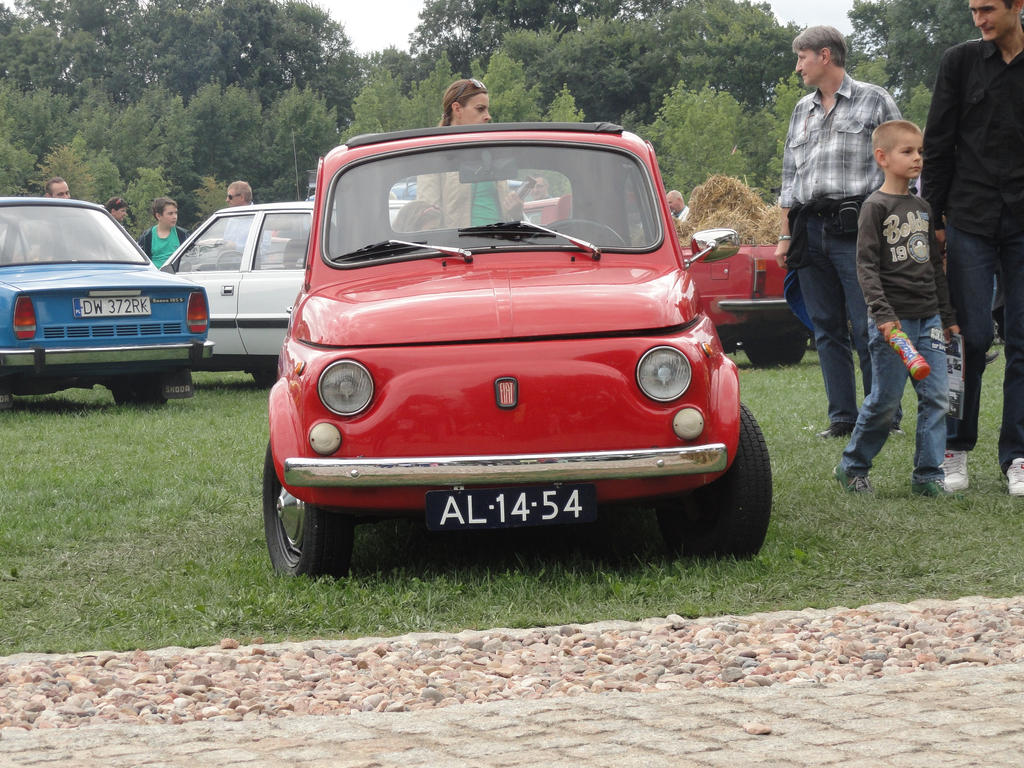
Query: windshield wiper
[
  {"x": 520, "y": 227},
  {"x": 387, "y": 248}
]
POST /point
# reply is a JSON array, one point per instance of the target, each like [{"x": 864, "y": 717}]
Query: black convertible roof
[{"x": 366, "y": 139}]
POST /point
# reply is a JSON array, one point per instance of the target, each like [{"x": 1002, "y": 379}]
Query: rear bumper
[
  {"x": 754, "y": 305},
  {"x": 39, "y": 358},
  {"x": 481, "y": 470}
]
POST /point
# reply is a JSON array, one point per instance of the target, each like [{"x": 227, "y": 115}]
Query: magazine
[{"x": 955, "y": 375}]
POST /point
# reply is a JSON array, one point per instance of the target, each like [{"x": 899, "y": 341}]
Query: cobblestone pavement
[{"x": 960, "y": 716}]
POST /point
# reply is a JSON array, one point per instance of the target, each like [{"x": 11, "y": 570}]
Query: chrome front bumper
[
  {"x": 753, "y": 305},
  {"x": 482, "y": 470},
  {"x": 39, "y": 357}
]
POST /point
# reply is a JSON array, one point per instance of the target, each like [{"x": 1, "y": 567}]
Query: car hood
[{"x": 599, "y": 298}]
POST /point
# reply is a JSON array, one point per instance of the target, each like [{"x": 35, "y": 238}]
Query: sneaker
[
  {"x": 954, "y": 465},
  {"x": 1015, "y": 478},
  {"x": 837, "y": 429},
  {"x": 991, "y": 356},
  {"x": 861, "y": 484},
  {"x": 935, "y": 489}
]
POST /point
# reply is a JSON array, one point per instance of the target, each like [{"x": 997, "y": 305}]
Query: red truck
[{"x": 743, "y": 295}]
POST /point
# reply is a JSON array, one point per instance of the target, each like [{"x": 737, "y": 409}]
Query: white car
[{"x": 251, "y": 259}]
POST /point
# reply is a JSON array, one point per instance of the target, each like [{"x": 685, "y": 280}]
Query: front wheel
[
  {"x": 768, "y": 352},
  {"x": 264, "y": 377},
  {"x": 728, "y": 517},
  {"x": 303, "y": 539}
]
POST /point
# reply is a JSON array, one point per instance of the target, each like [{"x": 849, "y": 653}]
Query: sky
[{"x": 365, "y": 28}]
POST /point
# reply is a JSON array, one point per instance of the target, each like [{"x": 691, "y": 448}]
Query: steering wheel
[{"x": 587, "y": 229}]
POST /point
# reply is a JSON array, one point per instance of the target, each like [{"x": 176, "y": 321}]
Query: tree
[
  {"x": 908, "y": 36},
  {"x": 149, "y": 184},
  {"x": 16, "y": 166},
  {"x": 298, "y": 129},
  {"x": 917, "y": 105},
  {"x": 61, "y": 46},
  {"x": 733, "y": 45},
  {"x": 510, "y": 98},
  {"x": 563, "y": 108},
  {"x": 470, "y": 30},
  {"x": 16, "y": 162},
  {"x": 872, "y": 71},
  {"x": 423, "y": 107},
  {"x": 156, "y": 132},
  {"x": 697, "y": 134},
  {"x": 209, "y": 196},
  {"x": 623, "y": 78},
  {"x": 401, "y": 65},
  {"x": 227, "y": 127},
  {"x": 68, "y": 163},
  {"x": 377, "y": 107},
  {"x": 787, "y": 93},
  {"x": 105, "y": 178},
  {"x": 39, "y": 119}
]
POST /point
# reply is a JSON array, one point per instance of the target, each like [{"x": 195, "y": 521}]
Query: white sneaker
[
  {"x": 955, "y": 466},
  {"x": 1015, "y": 478}
]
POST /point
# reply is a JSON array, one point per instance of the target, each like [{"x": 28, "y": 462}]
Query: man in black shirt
[{"x": 974, "y": 180}]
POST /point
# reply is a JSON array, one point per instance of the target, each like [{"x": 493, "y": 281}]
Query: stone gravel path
[
  {"x": 936, "y": 683},
  {"x": 425, "y": 671}
]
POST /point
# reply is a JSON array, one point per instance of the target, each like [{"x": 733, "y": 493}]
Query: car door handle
[{"x": 227, "y": 290}]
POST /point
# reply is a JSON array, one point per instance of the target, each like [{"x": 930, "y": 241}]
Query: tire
[
  {"x": 305, "y": 539},
  {"x": 728, "y": 517},
  {"x": 777, "y": 350},
  {"x": 264, "y": 377},
  {"x": 138, "y": 390}
]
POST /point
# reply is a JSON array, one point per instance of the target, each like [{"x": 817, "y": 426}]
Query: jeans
[
  {"x": 971, "y": 262},
  {"x": 832, "y": 295},
  {"x": 889, "y": 379}
]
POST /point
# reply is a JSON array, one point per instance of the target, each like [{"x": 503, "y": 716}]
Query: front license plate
[
  {"x": 511, "y": 507},
  {"x": 111, "y": 306}
]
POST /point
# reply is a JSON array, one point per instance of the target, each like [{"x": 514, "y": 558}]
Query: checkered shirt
[{"x": 829, "y": 155}]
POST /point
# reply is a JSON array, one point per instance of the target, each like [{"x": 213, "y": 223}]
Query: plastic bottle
[{"x": 913, "y": 359}]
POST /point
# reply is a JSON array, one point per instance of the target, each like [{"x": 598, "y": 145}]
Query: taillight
[
  {"x": 24, "y": 318},
  {"x": 760, "y": 277},
  {"x": 198, "y": 313}
]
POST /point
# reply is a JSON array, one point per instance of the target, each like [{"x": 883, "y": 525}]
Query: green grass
[{"x": 124, "y": 527}]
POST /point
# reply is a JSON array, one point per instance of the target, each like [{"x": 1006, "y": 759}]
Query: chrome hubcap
[{"x": 292, "y": 514}]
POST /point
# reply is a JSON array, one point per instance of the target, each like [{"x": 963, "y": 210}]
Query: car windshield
[
  {"x": 51, "y": 234},
  {"x": 445, "y": 197}
]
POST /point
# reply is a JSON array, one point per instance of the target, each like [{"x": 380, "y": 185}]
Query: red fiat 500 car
[{"x": 452, "y": 359}]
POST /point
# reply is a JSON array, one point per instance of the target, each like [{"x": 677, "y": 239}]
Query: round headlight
[
  {"x": 663, "y": 373},
  {"x": 346, "y": 387}
]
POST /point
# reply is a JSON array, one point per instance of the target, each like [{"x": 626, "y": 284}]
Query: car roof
[
  {"x": 366, "y": 139},
  {"x": 297, "y": 205},
  {"x": 60, "y": 202}
]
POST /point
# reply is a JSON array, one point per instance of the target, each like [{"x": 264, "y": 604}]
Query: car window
[
  {"x": 45, "y": 234},
  {"x": 602, "y": 195},
  {"x": 283, "y": 241},
  {"x": 217, "y": 249}
]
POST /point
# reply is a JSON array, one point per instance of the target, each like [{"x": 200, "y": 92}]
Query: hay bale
[{"x": 724, "y": 201}]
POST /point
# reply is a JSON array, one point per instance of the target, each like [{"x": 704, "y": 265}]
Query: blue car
[{"x": 80, "y": 305}]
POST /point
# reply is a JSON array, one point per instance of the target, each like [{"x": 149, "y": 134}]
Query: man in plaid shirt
[{"x": 828, "y": 168}]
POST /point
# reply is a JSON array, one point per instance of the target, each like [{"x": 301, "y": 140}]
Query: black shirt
[{"x": 974, "y": 140}]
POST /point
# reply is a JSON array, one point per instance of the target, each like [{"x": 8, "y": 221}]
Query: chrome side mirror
[{"x": 710, "y": 245}]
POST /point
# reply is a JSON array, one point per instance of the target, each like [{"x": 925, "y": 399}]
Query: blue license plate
[{"x": 517, "y": 507}]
